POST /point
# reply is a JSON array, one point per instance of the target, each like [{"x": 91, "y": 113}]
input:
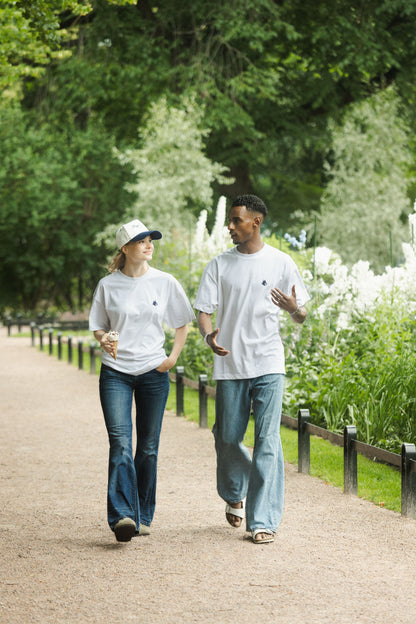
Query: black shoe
[{"x": 125, "y": 529}]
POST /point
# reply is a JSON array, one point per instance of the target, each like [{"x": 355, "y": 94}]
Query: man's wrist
[{"x": 206, "y": 338}]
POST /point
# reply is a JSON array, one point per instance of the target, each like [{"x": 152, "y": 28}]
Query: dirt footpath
[{"x": 336, "y": 559}]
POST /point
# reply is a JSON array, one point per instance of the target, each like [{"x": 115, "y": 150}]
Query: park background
[{"x": 112, "y": 110}]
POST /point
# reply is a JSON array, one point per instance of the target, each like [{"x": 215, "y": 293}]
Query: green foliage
[
  {"x": 58, "y": 190},
  {"x": 365, "y": 376},
  {"x": 30, "y": 35}
]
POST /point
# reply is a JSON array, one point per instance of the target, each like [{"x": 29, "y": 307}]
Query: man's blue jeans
[
  {"x": 132, "y": 482},
  {"x": 259, "y": 479}
]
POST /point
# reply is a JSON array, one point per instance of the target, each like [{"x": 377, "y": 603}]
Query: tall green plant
[
  {"x": 175, "y": 178},
  {"x": 364, "y": 375},
  {"x": 365, "y": 201}
]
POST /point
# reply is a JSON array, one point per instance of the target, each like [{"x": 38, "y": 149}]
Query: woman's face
[{"x": 139, "y": 251}]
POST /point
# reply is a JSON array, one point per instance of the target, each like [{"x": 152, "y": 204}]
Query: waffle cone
[{"x": 115, "y": 347}]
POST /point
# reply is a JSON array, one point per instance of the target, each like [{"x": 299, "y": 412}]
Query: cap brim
[{"x": 154, "y": 235}]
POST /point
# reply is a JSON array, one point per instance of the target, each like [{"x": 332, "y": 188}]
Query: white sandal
[
  {"x": 267, "y": 536},
  {"x": 238, "y": 512}
]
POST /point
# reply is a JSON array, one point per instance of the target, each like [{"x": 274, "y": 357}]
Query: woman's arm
[{"x": 178, "y": 343}]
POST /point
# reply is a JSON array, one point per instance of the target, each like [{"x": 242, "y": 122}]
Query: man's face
[{"x": 241, "y": 224}]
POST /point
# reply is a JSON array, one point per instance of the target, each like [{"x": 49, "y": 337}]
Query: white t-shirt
[
  {"x": 238, "y": 286},
  {"x": 136, "y": 307}
]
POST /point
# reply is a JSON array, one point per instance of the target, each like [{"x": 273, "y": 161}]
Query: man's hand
[
  {"x": 211, "y": 340},
  {"x": 288, "y": 303},
  {"x": 285, "y": 302}
]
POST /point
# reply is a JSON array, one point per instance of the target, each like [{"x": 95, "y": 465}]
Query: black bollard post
[
  {"x": 408, "y": 470},
  {"x": 350, "y": 460},
  {"x": 59, "y": 345},
  {"x": 80, "y": 355},
  {"x": 92, "y": 357},
  {"x": 179, "y": 390},
  {"x": 32, "y": 331},
  {"x": 203, "y": 401},
  {"x": 304, "y": 442},
  {"x": 41, "y": 337},
  {"x": 50, "y": 331},
  {"x": 69, "y": 349}
]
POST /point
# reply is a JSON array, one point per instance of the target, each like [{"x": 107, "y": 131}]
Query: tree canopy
[
  {"x": 81, "y": 76},
  {"x": 268, "y": 74}
]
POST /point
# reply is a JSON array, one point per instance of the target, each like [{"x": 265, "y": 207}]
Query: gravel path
[{"x": 336, "y": 559}]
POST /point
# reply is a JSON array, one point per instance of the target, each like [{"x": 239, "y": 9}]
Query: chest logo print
[
  {"x": 155, "y": 303},
  {"x": 264, "y": 283}
]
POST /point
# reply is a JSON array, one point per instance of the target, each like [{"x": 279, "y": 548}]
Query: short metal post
[
  {"x": 408, "y": 469},
  {"x": 92, "y": 357},
  {"x": 32, "y": 331},
  {"x": 50, "y": 332},
  {"x": 69, "y": 349},
  {"x": 41, "y": 337},
  {"x": 80, "y": 355},
  {"x": 350, "y": 460},
  {"x": 9, "y": 325},
  {"x": 59, "y": 345},
  {"x": 179, "y": 390},
  {"x": 19, "y": 323},
  {"x": 304, "y": 442},
  {"x": 203, "y": 401}
]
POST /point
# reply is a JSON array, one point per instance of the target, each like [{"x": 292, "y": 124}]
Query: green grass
[{"x": 378, "y": 483}]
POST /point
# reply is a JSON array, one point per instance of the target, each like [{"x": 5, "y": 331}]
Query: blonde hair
[{"x": 117, "y": 262}]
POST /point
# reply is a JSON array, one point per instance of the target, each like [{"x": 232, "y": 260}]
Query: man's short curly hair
[{"x": 251, "y": 202}]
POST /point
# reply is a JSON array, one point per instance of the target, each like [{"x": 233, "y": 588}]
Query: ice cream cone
[{"x": 112, "y": 337}]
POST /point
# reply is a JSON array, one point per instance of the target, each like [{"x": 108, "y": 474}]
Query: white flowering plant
[{"x": 353, "y": 361}]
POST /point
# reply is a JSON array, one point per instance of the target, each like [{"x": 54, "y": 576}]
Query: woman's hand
[
  {"x": 105, "y": 344},
  {"x": 167, "y": 364},
  {"x": 179, "y": 341}
]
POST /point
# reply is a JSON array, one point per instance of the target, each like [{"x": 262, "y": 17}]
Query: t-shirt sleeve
[
  {"x": 179, "y": 311},
  {"x": 98, "y": 318},
  {"x": 294, "y": 278},
  {"x": 207, "y": 295}
]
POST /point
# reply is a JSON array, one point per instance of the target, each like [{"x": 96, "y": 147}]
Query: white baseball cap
[{"x": 134, "y": 231}]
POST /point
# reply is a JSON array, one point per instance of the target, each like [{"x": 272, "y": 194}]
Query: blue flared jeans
[
  {"x": 132, "y": 481},
  {"x": 258, "y": 478}
]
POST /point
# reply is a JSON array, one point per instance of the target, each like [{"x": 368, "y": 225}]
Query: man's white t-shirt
[
  {"x": 238, "y": 286},
  {"x": 136, "y": 307}
]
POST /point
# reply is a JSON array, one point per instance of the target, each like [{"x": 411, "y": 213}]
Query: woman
[{"x": 134, "y": 300}]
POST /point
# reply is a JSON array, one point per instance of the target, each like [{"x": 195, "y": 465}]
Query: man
[{"x": 247, "y": 286}]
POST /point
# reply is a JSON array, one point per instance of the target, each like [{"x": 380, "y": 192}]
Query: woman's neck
[{"x": 135, "y": 270}]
